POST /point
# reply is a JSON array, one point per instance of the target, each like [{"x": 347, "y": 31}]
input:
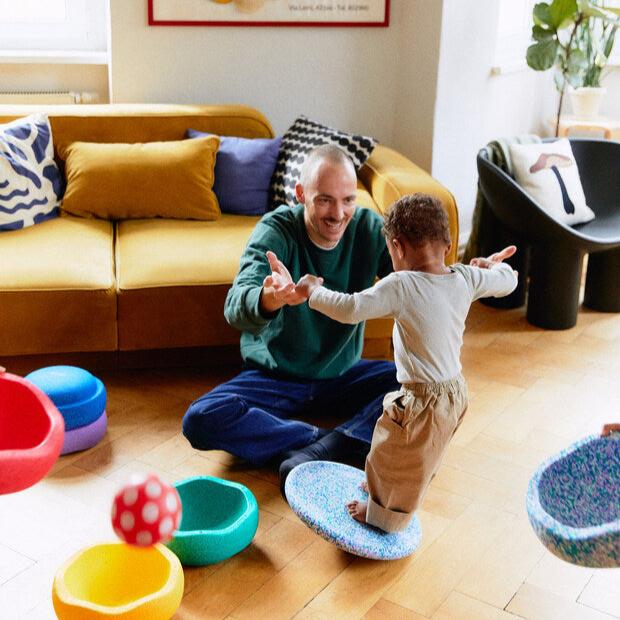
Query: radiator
[{"x": 45, "y": 97}]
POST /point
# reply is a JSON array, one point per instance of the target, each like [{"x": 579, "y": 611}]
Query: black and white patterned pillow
[{"x": 298, "y": 141}]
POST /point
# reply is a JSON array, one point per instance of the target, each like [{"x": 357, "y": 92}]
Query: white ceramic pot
[{"x": 587, "y": 100}]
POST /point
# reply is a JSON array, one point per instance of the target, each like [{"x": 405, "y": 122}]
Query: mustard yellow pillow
[{"x": 153, "y": 179}]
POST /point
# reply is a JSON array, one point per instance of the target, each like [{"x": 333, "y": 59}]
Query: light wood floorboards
[{"x": 532, "y": 393}]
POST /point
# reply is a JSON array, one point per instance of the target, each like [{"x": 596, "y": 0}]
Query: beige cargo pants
[{"x": 408, "y": 444}]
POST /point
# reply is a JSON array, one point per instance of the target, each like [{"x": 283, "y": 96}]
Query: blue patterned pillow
[{"x": 31, "y": 184}]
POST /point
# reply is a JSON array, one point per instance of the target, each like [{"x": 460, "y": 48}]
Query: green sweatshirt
[{"x": 296, "y": 340}]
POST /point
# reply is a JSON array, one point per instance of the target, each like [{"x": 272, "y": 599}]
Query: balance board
[{"x": 318, "y": 491}]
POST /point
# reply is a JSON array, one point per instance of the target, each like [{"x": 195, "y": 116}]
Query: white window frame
[{"x": 514, "y": 35}]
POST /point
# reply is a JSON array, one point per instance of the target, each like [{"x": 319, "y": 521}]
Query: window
[
  {"x": 58, "y": 25},
  {"x": 514, "y": 31}
]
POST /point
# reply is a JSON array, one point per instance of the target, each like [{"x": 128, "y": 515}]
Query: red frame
[{"x": 383, "y": 24}]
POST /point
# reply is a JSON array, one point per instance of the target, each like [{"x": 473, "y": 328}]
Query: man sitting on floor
[{"x": 298, "y": 362}]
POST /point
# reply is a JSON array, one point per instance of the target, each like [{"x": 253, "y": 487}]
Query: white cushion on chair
[{"x": 548, "y": 173}]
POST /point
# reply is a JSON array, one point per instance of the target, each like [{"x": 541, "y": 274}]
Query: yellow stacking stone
[{"x": 116, "y": 580}]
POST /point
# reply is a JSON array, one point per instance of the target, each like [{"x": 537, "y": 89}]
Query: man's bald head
[{"x": 326, "y": 153}]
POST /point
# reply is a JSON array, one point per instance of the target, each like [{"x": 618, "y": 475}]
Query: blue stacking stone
[
  {"x": 317, "y": 491},
  {"x": 79, "y": 396}
]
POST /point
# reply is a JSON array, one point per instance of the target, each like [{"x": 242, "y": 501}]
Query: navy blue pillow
[{"x": 243, "y": 171}]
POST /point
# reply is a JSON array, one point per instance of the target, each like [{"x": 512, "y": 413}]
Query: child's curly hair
[{"x": 419, "y": 218}]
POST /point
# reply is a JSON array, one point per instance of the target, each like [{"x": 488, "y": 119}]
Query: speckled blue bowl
[
  {"x": 318, "y": 491},
  {"x": 573, "y": 502}
]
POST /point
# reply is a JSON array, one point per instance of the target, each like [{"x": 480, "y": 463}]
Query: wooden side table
[{"x": 609, "y": 128}]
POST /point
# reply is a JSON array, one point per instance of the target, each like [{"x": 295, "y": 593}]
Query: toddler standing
[{"x": 429, "y": 303}]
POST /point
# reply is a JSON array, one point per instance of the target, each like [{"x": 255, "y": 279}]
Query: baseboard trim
[{"x": 120, "y": 360}]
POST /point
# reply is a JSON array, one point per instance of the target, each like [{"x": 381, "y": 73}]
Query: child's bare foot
[
  {"x": 357, "y": 510},
  {"x": 364, "y": 486}
]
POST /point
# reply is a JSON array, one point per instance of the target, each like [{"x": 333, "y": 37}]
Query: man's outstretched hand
[
  {"x": 279, "y": 288},
  {"x": 498, "y": 257}
]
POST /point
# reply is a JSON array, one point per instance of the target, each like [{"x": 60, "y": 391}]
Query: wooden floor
[{"x": 532, "y": 393}]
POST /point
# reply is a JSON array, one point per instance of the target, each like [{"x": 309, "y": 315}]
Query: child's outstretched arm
[
  {"x": 382, "y": 299},
  {"x": 497, "y": 280}
]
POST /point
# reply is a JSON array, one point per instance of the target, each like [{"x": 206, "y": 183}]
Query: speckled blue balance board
[
  {"x": 318, "y": 492},
  {"x": 573, "y": 502}
]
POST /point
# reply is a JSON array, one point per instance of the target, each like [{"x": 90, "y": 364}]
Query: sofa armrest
[{"x": 388, "y": 175}]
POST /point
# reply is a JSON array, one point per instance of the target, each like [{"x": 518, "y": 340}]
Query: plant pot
[{"x": 586, "y": 100}]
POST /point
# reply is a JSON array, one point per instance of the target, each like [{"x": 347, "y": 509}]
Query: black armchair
[{"x": 551, "y": 253}]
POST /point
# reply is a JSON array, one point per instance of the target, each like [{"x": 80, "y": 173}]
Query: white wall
[
  {"x": 416, "y": 27},
  {"x": 473, "y": 106},
  {"x": 342, "y": 76},
  {"x": 611, "y": 81}
]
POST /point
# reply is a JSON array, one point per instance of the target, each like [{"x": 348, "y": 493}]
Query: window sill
[
  {"x": 509, "y": 66},
  {"x": 63, "y": 57}
]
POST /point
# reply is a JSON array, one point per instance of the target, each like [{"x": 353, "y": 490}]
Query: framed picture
[{"x": 337, "y": 13}]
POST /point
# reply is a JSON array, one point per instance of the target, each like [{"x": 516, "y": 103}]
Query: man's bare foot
[
  {"x": 364, "y": 486},
  {"x": 357, "y": 510}
]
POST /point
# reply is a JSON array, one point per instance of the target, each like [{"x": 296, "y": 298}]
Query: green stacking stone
[{"x": 219, "y": 520}]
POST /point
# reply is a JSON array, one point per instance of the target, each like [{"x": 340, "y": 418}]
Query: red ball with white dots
[{"x": 146, "y": 511}]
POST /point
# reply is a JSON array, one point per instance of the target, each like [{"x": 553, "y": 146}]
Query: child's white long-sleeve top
[{"x": 429, "y": 314}]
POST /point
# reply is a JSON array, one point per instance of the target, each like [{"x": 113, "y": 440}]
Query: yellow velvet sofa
[{"x": 75, "y": 285}]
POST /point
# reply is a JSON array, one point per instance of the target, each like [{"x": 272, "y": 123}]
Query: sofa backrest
[{"x": 141, "y": 122}]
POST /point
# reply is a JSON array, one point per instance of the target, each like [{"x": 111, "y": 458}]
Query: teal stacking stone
[
  {"x": 219, "y": 519},
  {"x": 78, "y": 395}
]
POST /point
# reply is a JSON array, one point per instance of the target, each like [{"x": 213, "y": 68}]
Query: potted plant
[
  {"x": 595, "y": 38},
  {"x": 573, "y": 36}
]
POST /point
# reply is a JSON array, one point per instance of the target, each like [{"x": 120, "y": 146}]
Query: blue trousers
[{"x": 253, "y": 415}]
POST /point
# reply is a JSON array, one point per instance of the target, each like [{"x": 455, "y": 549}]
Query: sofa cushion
[
  {"x": 298, "y": 141},
  {"x": 243, "y": 170},
  {"x": 154, "y": 179},
  {"x": 30, "y": 181},
  {"x": 57, "y": 288},
  {"x": 151, "y": 253},
  {"x": 161, "y": 252},
  {"x": 65, "y": 253}
]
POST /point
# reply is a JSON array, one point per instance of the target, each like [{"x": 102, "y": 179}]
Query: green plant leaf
[
  {"x": 609, "y": 44},
  {"x": 559, "y": 81},
  {"x": 541, "y": 14},
  {"x": 562, "y": 12},
  {"x": 541, "y": 56},
  {"x": 542, "y": 34}
]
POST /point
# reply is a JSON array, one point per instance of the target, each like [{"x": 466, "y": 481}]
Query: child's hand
[
  {"x": 498, "y": 257},
  {"x": 608, "y": 429},
  {"x": 306, "y": 285}
]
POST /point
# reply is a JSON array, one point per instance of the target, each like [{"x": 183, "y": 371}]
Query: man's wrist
[{"x": 267, "y": 303}]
